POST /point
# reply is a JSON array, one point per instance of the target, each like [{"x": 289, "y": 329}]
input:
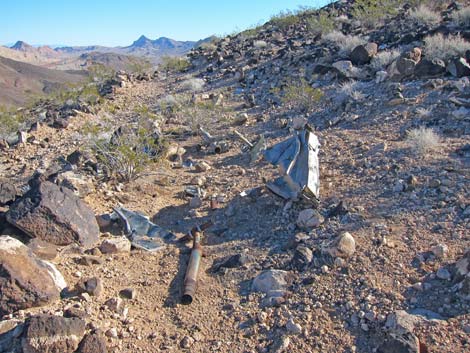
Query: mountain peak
[
  {"x": 142, "y": 41},
  {"x": 20, "y": 45}
]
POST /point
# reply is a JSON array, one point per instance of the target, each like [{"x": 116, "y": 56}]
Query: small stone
[
  {"x": 115, "y": 245},
  {"x": 309, "y": 218},
  {"x": 93, "y": 286},
  {"x": 202, "y": 167},
  {"x": 293, "y": 328},
  {"x": 270, "y": 280},
  {"x": 344, "y": 246},
  {"x": 365, "y": 327},
  {"x": 325, "y": 269},
  {"x": 443, "y": 274},
  {"x": 114, "y": 304},
  {"x": 195, "y": 202},
  {"x": 128, "y": 293},
  {"x": 440, "y": 250},
  {"x": 186, "y": 342},
  {"x": 112, "y": 333}
]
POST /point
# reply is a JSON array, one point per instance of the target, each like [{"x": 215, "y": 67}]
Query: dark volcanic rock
[
  {"x": 302, "y": 258},
  {"x": 53, "y": 334},
  {"x": 54, "y": 214},
  {"x": 93, "y": 343},
  {"x": 430, "y": 68},
  {"x": 459, "y": 67},
  {"x": 8, "y": 192},
  {"x": 362, "y": 54},
  {"x": 400, "y": 343},
  {"x": 25, "y": 281}
]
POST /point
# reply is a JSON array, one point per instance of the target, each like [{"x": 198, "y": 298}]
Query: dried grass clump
[
  {"x": 424, "y": 15},
  {"x": 441, "y": 47},
  {"x": 346, "y": 43},
  {"x": 193, "y": 84},
  {"x": 462, "y": 17},
  {"x": 384, "y": 58},
  {"x": 259, "y": 44},
  {"x": 352, "y": 90},
  {"x": 423, "y": 140}
]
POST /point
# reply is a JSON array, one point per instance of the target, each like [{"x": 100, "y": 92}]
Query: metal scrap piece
[
  {"x": 297, "y": 158},
  {"x": 142, "y": 233}
]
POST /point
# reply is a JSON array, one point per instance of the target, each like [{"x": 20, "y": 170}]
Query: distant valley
[{"x": 27, "y": 70}]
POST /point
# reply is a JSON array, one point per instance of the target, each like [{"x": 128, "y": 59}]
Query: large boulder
[
  {"x": 430, "y": 68},
  {"x": 459, "y": 67},
  {"x": 53, "y": 334},
  {"x": 54, "y": 214},
  {"x": 25, "y": 280},
  {"x": 362, "y": 54}
]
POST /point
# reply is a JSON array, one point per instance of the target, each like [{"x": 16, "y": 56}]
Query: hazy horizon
[{"x": 119, "y": 23}]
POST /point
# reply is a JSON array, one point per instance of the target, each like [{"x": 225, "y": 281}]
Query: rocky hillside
[{"x": 102, "y": 202}]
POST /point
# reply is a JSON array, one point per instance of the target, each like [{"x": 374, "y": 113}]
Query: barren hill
[{"x": 20, "y": 81}]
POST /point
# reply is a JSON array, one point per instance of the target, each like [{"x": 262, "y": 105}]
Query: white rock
[
  {"x": 440, "y": 250},
  {"x": 344, "y": 246},
  {"x": 270, "y": 280},
  {"x": 292, "y": 327},
  {"x": 309, "y": 218},
  {"x": 115, "y": 245}
]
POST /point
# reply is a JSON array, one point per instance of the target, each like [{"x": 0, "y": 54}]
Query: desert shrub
[
  {"x": 424, "y": 15},
  {"x": 11, "y": 121},
  {"x": 100, "y": 73},
  {"x": 423, "y": 140},
  {"x": 174, "y": 63},
  {"x": 321, "y": 23},
  {"x": 285, "y": 19},
  {"x": 259, "y": 44},
  {"x": 143, "y": 112},
  {"x": 352, "y": 90},
  {"x": 372, "y": 12},
  {"x": 438, "y": 46},
  {"x": 140, "y": 66},
  {"x": 129, "y": 152},
  {"x": 169, "y": 105},
  {"x": 210, "y": 45},
  {"x": 299, "y": 95},
  {"x": 346, "y": 43},
  {"x": 193, "y": 84},
  {"x": 462, "y": 17},
  {"x": 384, "y": 58}
]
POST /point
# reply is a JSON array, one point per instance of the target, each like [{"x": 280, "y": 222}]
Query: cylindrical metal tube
[{"x": 190, "y": 280}]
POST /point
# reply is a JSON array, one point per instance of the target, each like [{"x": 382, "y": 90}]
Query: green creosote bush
[
  {"x": 174, "y": 63},
  {"x": 285, "y": 19},
  {"x": 371, "y": 12},
  {"x": 128, "y": 154},
  {"x": 299, "y": 95},
  {"x": 11, "y": 120},
  {"x": 321, "y": 23}
]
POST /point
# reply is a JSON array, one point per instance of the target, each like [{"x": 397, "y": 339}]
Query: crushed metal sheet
[
  {"x": 297, "y": 158},
  {"x": 142, "y": 233}
]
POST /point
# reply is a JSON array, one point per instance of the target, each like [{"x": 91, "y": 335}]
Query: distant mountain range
[
  {"x": 66, "y": 57},
  {"x": 27, "y": 70},
  {"x": 153, "y": 50}
]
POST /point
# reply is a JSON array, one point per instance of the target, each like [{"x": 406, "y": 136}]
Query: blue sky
[{"x": 120, "y": 22}]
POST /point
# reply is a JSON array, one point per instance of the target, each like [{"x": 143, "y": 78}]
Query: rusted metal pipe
[{"x": 190, "y": 280}]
